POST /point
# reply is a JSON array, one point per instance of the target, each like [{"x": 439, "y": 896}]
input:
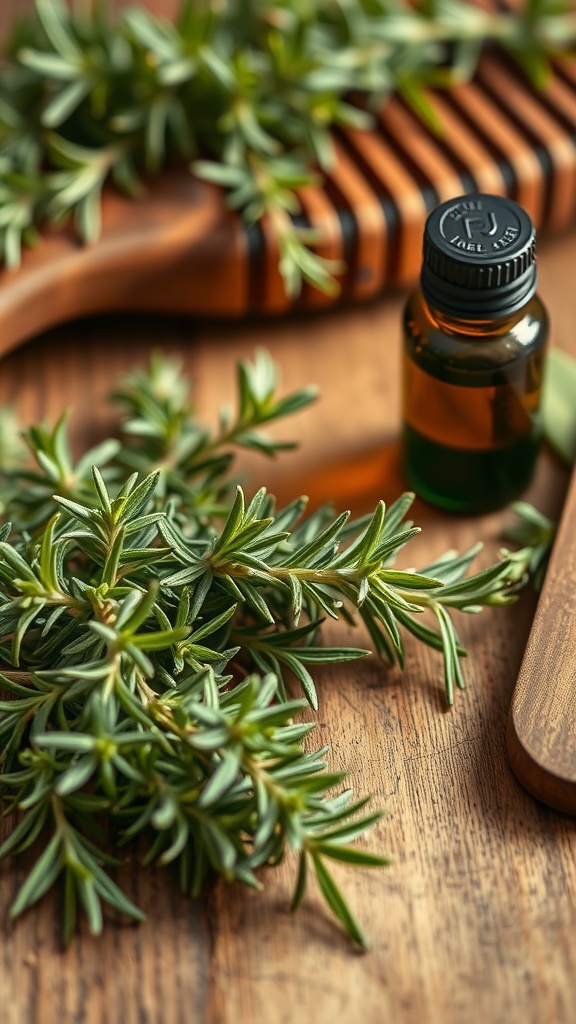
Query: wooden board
[
  {"x": 179, "y": 249},
  {"x": 474, "y": 921}
]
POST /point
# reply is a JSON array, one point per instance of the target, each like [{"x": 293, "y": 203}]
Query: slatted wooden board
[{"x": 180, "y": 249}]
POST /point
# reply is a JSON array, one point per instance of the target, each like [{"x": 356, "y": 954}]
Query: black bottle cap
[{"x": 479, "y": 257}]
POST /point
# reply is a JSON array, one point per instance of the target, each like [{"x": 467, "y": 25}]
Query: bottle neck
[
  {"x": 478, "y": 303},
  {"x": 479, "y": 327}
]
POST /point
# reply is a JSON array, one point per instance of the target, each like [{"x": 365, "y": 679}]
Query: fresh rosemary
[
  {"x": 149, "y": 627},
  {"x": 536, "y": 534},
  {"x": 248, "y": 91}
]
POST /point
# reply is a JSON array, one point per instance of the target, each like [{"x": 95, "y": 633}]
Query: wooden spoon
[{"x": 541, "y": 736}]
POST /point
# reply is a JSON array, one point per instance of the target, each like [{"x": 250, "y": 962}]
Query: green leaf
[
  {"x": 300, "y": 890},
  {"x": 140, "y": 496},
  {"x": 24, "y": 833},
  {"x": 65, "y": 103},
  {"x": 80, "y": 512},
  {"x": 101, "y": 490},
  {"x": 307, "y": 554},
  {"x": 77, "y": 775},
  {"x": 301, "y": 673},
  {"x": 349, "y": 855},
  {"x": 559, "y": 404},
  {"x": 41, "y": 878},
  {"x": 48, "y": 64},
  {"x": 212, "y": 625},
  {"x": 90, "y": 903},
  {"x": 55, "y": 20},
  {"x": 337, "y": 903},
  {"x": 107, "y": 889},
  {"x": 17, "y": 563},
  {"x": 233, "y": 522},
  {"x": 222, "y": 779}
]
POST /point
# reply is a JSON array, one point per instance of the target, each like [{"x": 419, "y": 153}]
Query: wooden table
[{"x": 474, "y": 921}]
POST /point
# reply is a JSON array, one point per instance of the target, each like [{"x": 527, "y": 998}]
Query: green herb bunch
[
  {"x": 152, "y": 628},
  {"x": 250, "y": 91}
]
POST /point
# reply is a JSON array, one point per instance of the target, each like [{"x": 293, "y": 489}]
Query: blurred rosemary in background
[
  {"x": 247, "y": 92},
  {"x": 150, "y": 619}
]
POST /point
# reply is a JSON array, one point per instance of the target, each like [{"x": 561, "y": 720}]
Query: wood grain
[
  {"x": 542, "y": 724},
  {"x": 545, "y": 132},
  {"x": 176, "y": 249},
  {"x": 474, "y": 921}
]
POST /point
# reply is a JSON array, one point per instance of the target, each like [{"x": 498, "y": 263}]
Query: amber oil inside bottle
[{"x": 471, "y": 404}]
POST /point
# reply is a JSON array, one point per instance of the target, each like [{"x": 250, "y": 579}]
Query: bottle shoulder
[{"x": 432, "y": 340}]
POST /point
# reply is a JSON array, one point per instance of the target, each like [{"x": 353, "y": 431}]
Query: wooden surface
[{"x": 474, "y": 920}]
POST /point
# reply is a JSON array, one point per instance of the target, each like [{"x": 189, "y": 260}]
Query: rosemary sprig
[
  {"x": 151, "y": 624},
  {"x": 536, "y": 534},
  {"x": 249, "y": 91}
]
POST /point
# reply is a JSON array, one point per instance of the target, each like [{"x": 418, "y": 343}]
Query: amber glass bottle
[{"x": 475, "y": 336}]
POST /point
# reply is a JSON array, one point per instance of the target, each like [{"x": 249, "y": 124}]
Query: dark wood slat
[
  {"x": 467, "y": 149},
  {"x": 544, "y": 130},
  {"x": 368, "y": 274},
  {"x": 387, "y": 168},
  {"x": 322, "y": 217},
  {"x": 410, "y": 138},
  {"x": 496, "y": 130}
]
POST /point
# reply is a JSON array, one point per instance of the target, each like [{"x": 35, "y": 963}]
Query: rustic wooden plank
[{"x": 474, "y": 919}]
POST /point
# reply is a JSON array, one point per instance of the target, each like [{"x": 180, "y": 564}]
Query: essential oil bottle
[{"x": 475, "y": 337}]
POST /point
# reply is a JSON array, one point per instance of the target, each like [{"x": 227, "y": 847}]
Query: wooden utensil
[{"x": 541, "y": 736}]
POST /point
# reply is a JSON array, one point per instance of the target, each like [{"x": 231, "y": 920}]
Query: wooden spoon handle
[{"x": 541, "y": 736}]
